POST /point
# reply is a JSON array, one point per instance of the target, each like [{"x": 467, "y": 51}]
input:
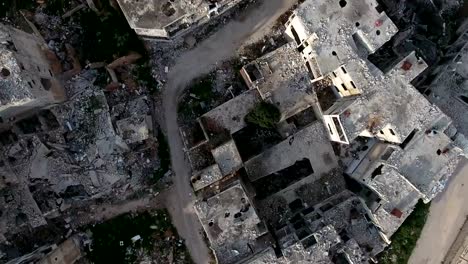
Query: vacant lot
[{"x": 131, "y": 238}]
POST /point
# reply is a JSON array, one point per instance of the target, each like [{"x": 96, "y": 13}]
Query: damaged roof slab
[
  {"x": 231, "y": 114},
  {"x": 159, "y": 18},
  {"x": 24, "y": 70},
  {"x": 284, "y": 80},
  {"x": 337, "y": 25},
  {"x": 230, "y": 222},
  {"x": 310, "y": 143},
  {"x": 387, "y": 101},
  {"x": 206, "y": 177},
  {"x": 428, "y": 162},
  {"x": 396, "y": 192},
  {"x": 135, "y": 129},
  {"x": 227, "y": 157}
]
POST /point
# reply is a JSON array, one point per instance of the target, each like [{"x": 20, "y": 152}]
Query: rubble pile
[{"x": 74, "y": 153}]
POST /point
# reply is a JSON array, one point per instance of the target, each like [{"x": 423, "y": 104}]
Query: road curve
[{"x": 201, "y": 60}]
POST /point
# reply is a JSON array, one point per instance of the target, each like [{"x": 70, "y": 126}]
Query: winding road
[{"x": 221, "y": 46}]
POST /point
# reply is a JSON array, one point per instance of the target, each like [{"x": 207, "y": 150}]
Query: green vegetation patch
[
  {"x": 112, "y": 240},
  {"x": 404, "y": 240},
  {"x": 142, "y": 71},
  {"x": 264, "y": 115},
  {"x": 203, "y": 89}
]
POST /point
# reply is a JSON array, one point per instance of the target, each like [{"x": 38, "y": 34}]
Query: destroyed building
[
  {"x": 232, "y": 224},
  {"x": 382, "y": 107},
  {"x": 67, "y": 252},
  {"x": 28, "y": 75},
  {"x": 367, "y": 101},
  {"x": 280, "y": 78},
  {"x": 283, "y": 182},
  {"x": 165, "y": 20},
  {"x": 447, "y": 85},
  {"x": 72, "y": 155},
  {"x": 396, "y": 145}
]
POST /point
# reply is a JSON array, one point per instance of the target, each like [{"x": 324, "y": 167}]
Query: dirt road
[
  {"x": 198, "y": 61},
  {"x": 447, "y": 214},
  {"x": 103, "y": 212}
]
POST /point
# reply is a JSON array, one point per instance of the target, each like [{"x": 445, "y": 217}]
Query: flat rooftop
[
  {"x": 397, "y": 193},
  {"x": 340, "y": 24},
  {"x": 227, "y": 157},
  {"x": 449, "y": 89},
  {"x": 310, "y": 143},
  {"x": 13, "y": 89},
  {"x": 231, "y": 223},
  {"x": 427, "y": 162},
  {"x": 165, "y": 18},
  {"x": 386, "y": 99},
  {"x": 206, "y": 177},
  {"x": 283, "y": 79},
  {"x": 358, "y": 29},
  {"x": 231, "y": 114},
  {"x": 156, "y": 14}
]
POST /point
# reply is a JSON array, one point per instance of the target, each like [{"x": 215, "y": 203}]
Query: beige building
[{"x": 27, "y": 75}]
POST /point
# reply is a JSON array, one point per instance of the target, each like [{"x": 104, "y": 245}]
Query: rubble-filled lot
[
  {"x": 136, "y": 238},
  {"x": 92, "y": 149},
  {"x": 98, "y": 149}
]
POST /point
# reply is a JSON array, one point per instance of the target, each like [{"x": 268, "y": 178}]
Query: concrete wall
[{"x": 37, "y": 73}]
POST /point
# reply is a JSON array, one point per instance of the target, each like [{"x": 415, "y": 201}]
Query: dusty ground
[
  {"x": 103, "y": 212},
  {"x": 447, "y": 214},
  {"x": 194, "y": 63}
]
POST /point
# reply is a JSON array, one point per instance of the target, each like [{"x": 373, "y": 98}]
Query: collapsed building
[
  {"x": 67, "y": 252},
  {"x": 65, "y": 144},
  {"x": 73, "y": 154},
  {"x": 28, "y": 75},
  {"x": 342, "y": 120},
  {"x": 165, "y": 20}
]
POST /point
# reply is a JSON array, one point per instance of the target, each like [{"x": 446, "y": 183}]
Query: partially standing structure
[
  {"x": 281, "y": 78},
  {"x": 167, "y": 19},
  {"x": 409, "y": 154},
  {"x": 368, "y": 102},
  {"x": 448, "y": 86},
  {"x": 27, "y": 75}
]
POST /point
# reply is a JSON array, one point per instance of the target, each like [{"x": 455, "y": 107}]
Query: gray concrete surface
[
  {"x": 198, "y": 61},
  {"x": 447, "y": 214}
]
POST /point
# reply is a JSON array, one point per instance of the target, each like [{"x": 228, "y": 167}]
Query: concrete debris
[{"x": 58, "y": 157}]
